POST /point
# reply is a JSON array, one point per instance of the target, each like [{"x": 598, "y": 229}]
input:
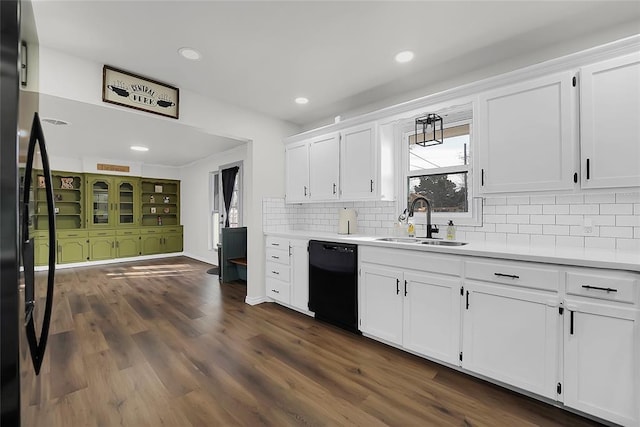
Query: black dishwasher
[{"x": 333, "y": 283}]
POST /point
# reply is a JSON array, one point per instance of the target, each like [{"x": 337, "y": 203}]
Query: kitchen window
[{"x": 442, "y": 173}]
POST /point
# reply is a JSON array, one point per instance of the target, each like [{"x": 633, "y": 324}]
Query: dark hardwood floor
[{"x": 162, "y": 343}]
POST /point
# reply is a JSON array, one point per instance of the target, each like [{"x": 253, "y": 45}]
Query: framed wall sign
[{"x": 133, "y": 91}]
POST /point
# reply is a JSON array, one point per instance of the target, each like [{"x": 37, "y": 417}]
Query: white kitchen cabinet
[
  {"x": 299, "y": 274},
  {"x": 297, "y": 172},
  {"x": 324, "y": 168},
  {"x": 381, "y": 302},
  {"x": 432, "y": 316},
  {"x": 511, "y": 335},
  {"x": 609, "y": 124},
  {"x": 359, "y": 158},
  {"x": 287, "y": 272},
  {"x": 527, "y": 138}
]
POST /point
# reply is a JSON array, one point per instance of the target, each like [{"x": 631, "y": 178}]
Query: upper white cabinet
[
  {"x": 353, "y": 164},
  {"x": 324, "y": 155},
  {"x": 526, "y": 133},
  {"x": 297, "y": 172},
  {"x": 610, "y": 123}
]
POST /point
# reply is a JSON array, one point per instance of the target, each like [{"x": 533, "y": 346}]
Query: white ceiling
[{"x": 260, "y": 55}]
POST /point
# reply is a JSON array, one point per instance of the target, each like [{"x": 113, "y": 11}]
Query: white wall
[{"x": 75, "y": 78}]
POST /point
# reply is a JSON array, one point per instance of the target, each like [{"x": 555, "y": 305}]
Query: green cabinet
[
  {"x": 112, "y": 201},
  {"x": 102, "y": 245},
  {"x": 73, "y": 246},
  {"x": 160, "y": 202},
  {"x": 67, "y": 200},
  {"x": 41, "y": 247},
  {"x": 158, "y": 240},
  {"x": 128, "y": 243}
]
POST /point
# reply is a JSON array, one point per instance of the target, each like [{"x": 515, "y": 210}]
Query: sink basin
[
  {"x": 399, "y": 239},
  {"x": 443, "y": 243}
]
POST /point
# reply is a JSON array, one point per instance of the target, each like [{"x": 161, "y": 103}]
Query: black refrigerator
[{"x": 26, "y": 297}]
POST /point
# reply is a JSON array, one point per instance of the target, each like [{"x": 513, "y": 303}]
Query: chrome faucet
[{"x": 431, "y": 229}]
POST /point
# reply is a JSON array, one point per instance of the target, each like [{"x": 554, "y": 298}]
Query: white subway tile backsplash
[
  {"x": 616, "y": 209},
  {"x": 628, "y": 220},
  {"x": 530, "y": 229},
  {"x": 558, "y": 230},
  {"x": 628, "y": 244},
  {"x": 474, "y": 236},
  {"x": 570, "y": 241},
  {"x": 542, "y": 200},
  {"x": 518, "y": 219},
  {"x": 579, "y": 230},
  {"x": 569, "y": 219},
  {"x": 542, "y": 219},
  {"x": 506, "y": 228},
  {"x": 628, "y": 197},
  {"x": 600, "y": 242},
  {"x": 529, "y": 209},
  {"x": 496, "y": 237},
  {"x": 636, "y": 232},
  {"x": 542, "y": 240},
  {"x": 584, "y": 209},
  {"x": 573, "y": 199},
  {"x": 506, "y": 209},
  {"x": 495, "y": 219},
  {"x": 518, "y": 200},
  {"x": 601, "y": 219},
  {"x": 489, "y": 210},
  {"x": 518, "y": 239},
  {"x": 600, "y": 198},
  {"x": 495, "y": 201},
  {"x": 555, "y": 209},
  {"x": 623, "y": 232}
]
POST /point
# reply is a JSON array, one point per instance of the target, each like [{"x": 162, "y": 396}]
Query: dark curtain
[{"x": 228, "y": 181}]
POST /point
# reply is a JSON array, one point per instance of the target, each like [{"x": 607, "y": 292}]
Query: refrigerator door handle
[{"x": 37, "y": 346}]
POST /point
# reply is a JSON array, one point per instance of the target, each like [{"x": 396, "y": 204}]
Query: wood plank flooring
[{"x": 162, "y": 343}]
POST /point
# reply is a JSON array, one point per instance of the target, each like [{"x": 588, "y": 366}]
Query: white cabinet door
[
  {"x": 324, "y": 167},
  {"x": 511, "y": 335},
  {"x": 601, "y": 361},
  {"x": 299, "y": 274},
  {"x": 381, "y": 303},
  {"x": 358, "y": 172},
  {"x": 297, "y": 173},
  {"x": 432, "y": 316},
  {"x": 526, "y": 136},
  {"x": 610, "y": 124}
]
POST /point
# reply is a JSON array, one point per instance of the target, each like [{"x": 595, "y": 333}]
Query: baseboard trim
[
  {"x": 199, "y": 258},
  {"x": 111, "y": 261},
  {"x": 255, "y": 300}
]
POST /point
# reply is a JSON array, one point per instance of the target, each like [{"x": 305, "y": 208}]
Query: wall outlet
[{"x": 588, "y": 226}]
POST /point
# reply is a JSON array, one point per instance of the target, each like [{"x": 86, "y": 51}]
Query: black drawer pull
[
  {"x": 275, "y": 291},
  {"x": 275, "y": 272},
  {"x": 275, "y": 244},
  {"x": 397, "y": 286},
  {"x": 599, "y": 288},
  {"x": 275, "y": 257},
  {"x": 571, "y": 328},
  {"x": 513, "y": 276}
]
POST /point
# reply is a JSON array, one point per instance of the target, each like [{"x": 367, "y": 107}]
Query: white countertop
[{"x": 584, "y": 257}]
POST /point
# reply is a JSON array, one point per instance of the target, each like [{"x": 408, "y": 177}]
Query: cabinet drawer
[
  {"x": 133, "y": 232},
  {"x": 278, "y": 290},
  {"x": 277, "y": 255},
  {"x": 102, "y": 233},
  {"x": 71, "y": 234},
  {"x": 277, "y": 243},
  {"x": 613, "y": 286},
  {"x": 527, "y": 275},
  {"x": 278, "y": 271},
  {"x": 151, "y": 230}
]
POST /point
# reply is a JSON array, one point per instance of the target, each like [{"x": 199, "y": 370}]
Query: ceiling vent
[{"x": 55, "y": 122}]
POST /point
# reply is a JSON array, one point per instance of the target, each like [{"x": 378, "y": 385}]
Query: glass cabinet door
[
  {"x": 126, "y": 197},
  {"x": 101, "y": 205}
]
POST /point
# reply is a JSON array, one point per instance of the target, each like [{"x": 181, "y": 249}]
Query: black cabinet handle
[
  {"x": 397, "y": 286},
  {"x": 405, "y": 288},
  {"x": 275, "y": 244},
  {"x": 571, "y": 323},
  {"x": 588, "y": 172},
  {"x": 482, "y": 177},
  {"x": 372, "y": 186},
  {"x": 607, "y": 290},
  {"x": 275, "y": 257},
  {"x": 467, "y": 300},
  {"x": 334, "y": 189},
  {"x": 575, "y": 177},
  {"x": 513, "y": 276},
  {"x": 275, "y": 272},
  {"x": 305, "y": 191}
]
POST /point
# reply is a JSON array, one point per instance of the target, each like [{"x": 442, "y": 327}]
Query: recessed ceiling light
[
  {"x": 190, "y": 53},
  {"x": 302, "y": 100},
  {"x": 139, "y": 148},
  {"x": 404, "y": 56}
]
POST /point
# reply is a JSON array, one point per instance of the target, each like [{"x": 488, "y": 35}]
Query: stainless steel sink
[
  {"x": 442, "y": 243},
  {"x": 399, "y": 239}
]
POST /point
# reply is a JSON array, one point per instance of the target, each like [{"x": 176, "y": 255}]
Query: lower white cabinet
[
  {"x": 287, "y": 272},
  {"x": 511, "y": 335},
  {"x": 416, "y": 310}
]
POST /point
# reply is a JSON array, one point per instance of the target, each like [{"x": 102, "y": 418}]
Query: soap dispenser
[
  {"x": 451, "y": 231},
  {"x": 411, "y": 228}
]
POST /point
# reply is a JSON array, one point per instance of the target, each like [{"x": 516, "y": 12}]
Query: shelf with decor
[
  {"x": 67, "y": 199},
  {"x": 160, "y": 202}
]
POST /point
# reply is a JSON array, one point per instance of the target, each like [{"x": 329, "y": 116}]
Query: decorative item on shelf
[
  {"x": 159, "y": 220},
  {"x": 152, "y": 199},
  {"x": 153, "y": 210},
  {"x": 40, "y": 181},
  {"x": 158, "y": 188},
  {"x": 66, "y": 183},
  {"x": 166, "y": 210},
  {"x": 166, "y": 199},
  {"x": 56, "y": 210},
  {"x": 429, "y": 128},
  {"x": 58, "y": 197}
]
